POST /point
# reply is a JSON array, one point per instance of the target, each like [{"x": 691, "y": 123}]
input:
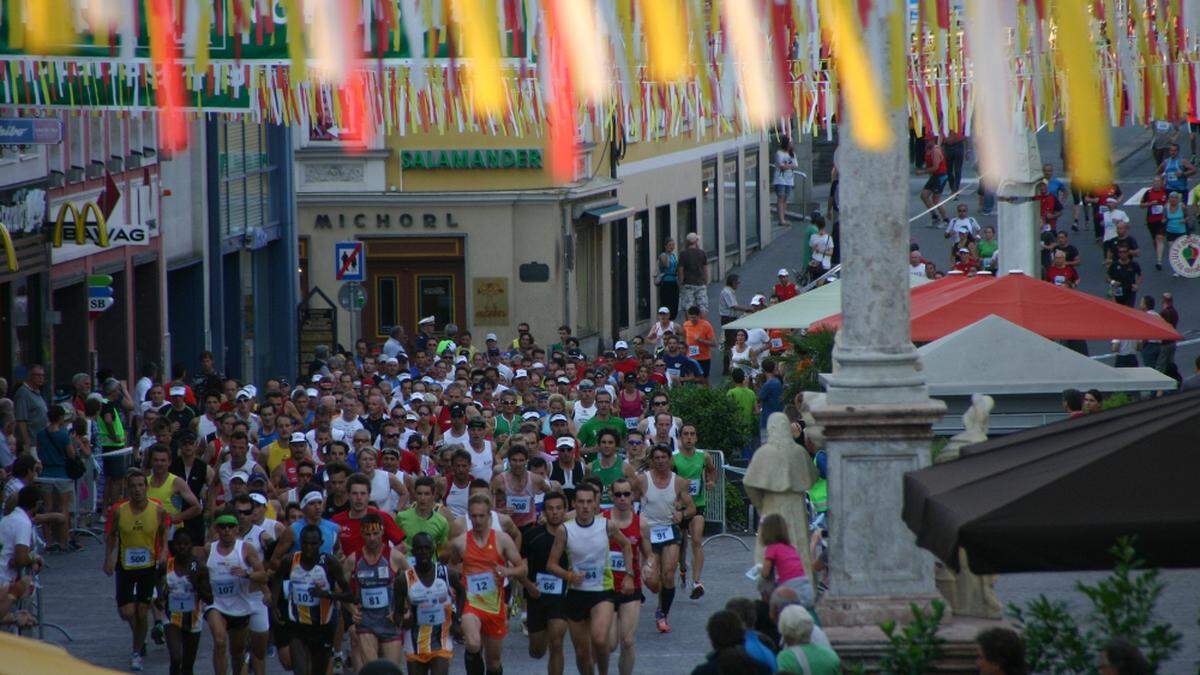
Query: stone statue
[
  {"x": 779, "y": 474},
  {"x": 976, "y": 421},
  {"x": 967, "y": 593}
]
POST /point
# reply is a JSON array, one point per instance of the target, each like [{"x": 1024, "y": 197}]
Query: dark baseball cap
[{"x": 458, "y": 410}]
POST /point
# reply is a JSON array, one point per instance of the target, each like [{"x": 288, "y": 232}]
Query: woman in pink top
[{"x": 781, "y": 564}]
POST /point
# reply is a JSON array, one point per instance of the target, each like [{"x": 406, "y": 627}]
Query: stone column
[
  {"x": 1018, "y": 222},
  {"x": 877, "y": 415}
]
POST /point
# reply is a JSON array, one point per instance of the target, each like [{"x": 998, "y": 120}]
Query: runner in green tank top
[
  {"x": 608, "y": 467},
  {"x": 697, "y": 467}
]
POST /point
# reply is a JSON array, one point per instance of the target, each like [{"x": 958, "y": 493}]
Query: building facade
[{"x": 468, "y": 228}]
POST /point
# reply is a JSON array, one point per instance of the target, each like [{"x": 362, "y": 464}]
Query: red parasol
[{"x": 1055, "y": 312}]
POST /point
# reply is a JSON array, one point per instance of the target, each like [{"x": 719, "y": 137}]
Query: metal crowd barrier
[{"x": 714, "y": 509}]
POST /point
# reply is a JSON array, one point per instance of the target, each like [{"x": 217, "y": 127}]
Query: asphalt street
[{"x": 79, "y": 598}]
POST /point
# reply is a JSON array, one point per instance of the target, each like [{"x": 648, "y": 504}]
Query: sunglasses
[
  {"x": 622, "y": 494},
  {"x": 633, "y": 442},
  {"x": 391, "y": 435},
  {"x": 659, "y": 403},
  {"x": 245, "y": 513}
]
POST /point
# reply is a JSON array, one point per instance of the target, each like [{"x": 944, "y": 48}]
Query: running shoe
[
  {"x": 156, "y": 633},
  {"x": 337, "y": 664},
  {"x": 1158, "y": 266},
  {"x": 660, "y": 621},
  {"x": 697, "y": 590},
  {"x": 135, "y": 662}
]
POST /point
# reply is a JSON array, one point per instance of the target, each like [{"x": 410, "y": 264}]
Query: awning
[
  {"x": 802, "y": 310},
  {"x": 1058, "y": 497},
  {"x": 601, "y": 215},
  {"x": 1054, "y": 312}
]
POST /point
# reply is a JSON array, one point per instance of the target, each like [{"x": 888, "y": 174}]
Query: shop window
[
  {"x": 731, "y": 189},
  {"x": 245, "y": 177},
  {"x": 753, "y": 197},
  {"x": 74, "y": 133},
  {"x": 708, "y": 207},
  {"x": 386, "y": 303},
  {"x": 685, "y": 213},
  {"x": 96, "y": 138},
  {"x": 302, "y": 265},
  {"x": 589, "y": 286},
  {"x": 435, "y": 296},
  {"x": 116, "y": 138},
  {"x": 641, "y": 256}
]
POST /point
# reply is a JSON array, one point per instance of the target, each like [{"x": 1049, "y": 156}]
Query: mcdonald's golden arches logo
[
  {"x": 10, "y": 254},
  {"x": 79, "y": 220}
]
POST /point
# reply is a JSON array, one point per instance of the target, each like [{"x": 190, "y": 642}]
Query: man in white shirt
[
  {"x": 347, "y": 423},
  {"x": 395, "y": 342},
  {"x": 756, "y": 338},
  {"x": 585, "y": 408},
  {"x": 962, "y": 224},
  {"x": 916, "y": 265},
  {"x": 1112, "y": 216},
  {"x": 17, "y": 538}
]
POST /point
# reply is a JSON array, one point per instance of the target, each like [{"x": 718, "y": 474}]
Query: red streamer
[{"x": 172, "y": 126}]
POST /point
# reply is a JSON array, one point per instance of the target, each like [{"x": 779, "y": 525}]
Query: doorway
[
  {"x": 619, "y": 272},
  {"x": 409, "y": 278}
]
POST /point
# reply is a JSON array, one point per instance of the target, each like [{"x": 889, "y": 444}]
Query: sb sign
[{"x": 100, "y": 294}]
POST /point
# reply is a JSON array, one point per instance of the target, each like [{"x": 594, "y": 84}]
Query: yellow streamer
[
  {"x": 50, "y": 28},
  {"x": 898, "y": 45},
  {"x": 868, "y": 118},
  {"x": 295, "y": 40},
  {"x": 662, "y": 20},
  {"x": 203, "y": 28},
  {"x": 1088, "y": 151},
  {"x": 481, "y": 45}
]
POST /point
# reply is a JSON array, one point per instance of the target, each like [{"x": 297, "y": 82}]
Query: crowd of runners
[{"x": 411, "y": 501}]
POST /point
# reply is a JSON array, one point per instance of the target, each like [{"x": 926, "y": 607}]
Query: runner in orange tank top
[{"x": 483, "y": 553}]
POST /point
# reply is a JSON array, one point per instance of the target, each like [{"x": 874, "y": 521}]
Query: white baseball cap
[
  {"x": 314, "y": 496},
  {"x": 491, "y": 337},
  {"x": 538, "y": 365},
  {"x": 757, "y": 300},
  {"x": 422, "y": 322},
  {"x": 663, "y": 310},
  {"x": 782, "y": 272},
  {"x": 240, "y": 475},
  {"x": 178, "y": 391},
  {"x": 565, "y": 442},
  {"x": 311, "y": 392},
  {"x": 258, "y": 499},
  {"x": 558, "y": 417},
  {"x": 621, "y": 344},
  {"x": 317, "y": 377},
  {"x": 298, "y": 437},
  {"x": 521, "y": 372}
]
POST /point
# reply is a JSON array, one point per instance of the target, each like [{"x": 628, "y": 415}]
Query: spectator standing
[
  {"x": 785, "y": 177},
  {"x": 821, "y": 245},
  {"x": 1166, "y": 357},
  {"x": 668, "y": 276},
  {"x": 30, "y": 409},
  {"x": 1149, "y": 349},
  {"x": 693, "y": 263},
  {"x": 729, "y": 311},
  {"x": 1193, "y": 381},
  {"x": 785, "y": 289},
  {"x": 770, "y": 393},
  {"x": 799, "y": 655},
  {"x": 1165, "y": 133},
  {"x": 395, "y": 342}
]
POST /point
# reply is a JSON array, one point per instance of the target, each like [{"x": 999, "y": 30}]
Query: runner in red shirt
[
  {"x": 350, "y": 522},
  {"x": 1155, "y": 201}
]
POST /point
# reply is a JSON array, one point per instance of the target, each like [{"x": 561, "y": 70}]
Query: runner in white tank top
[{"x": 665, "y": 503}]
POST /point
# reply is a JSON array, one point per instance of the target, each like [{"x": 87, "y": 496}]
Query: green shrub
[
  {"x": 1117, "y": 400},
  {"x": 1122, "y": 606},
  {"x": 914, "y": 649},
  {"x": 812, "y": 354},
  {"x": 719, "y": 423}
]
